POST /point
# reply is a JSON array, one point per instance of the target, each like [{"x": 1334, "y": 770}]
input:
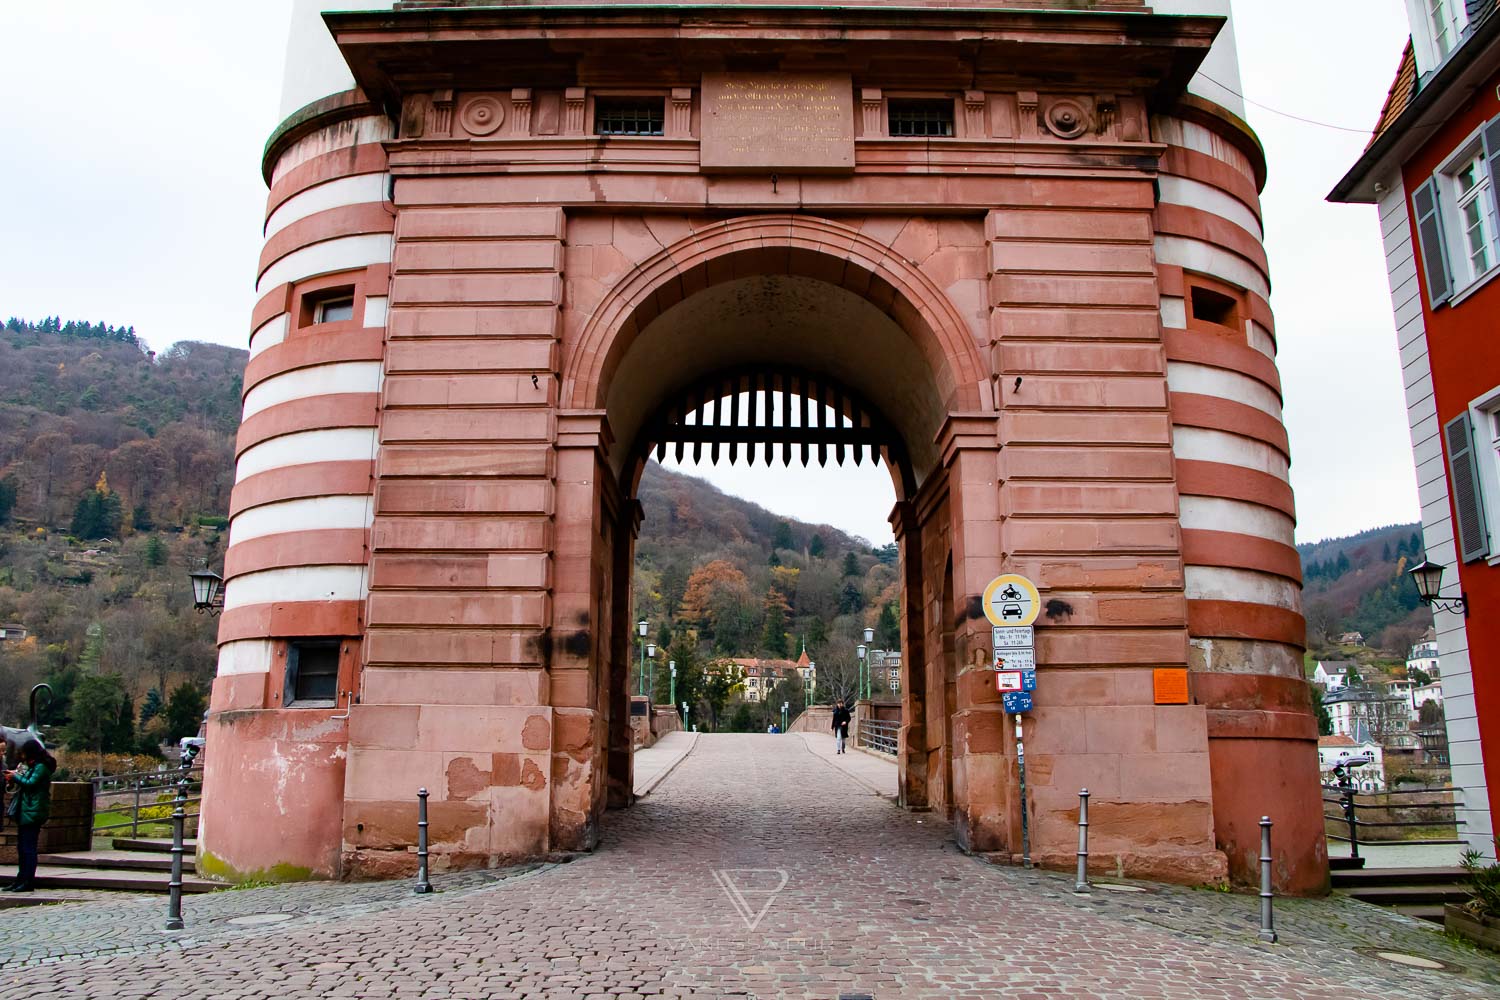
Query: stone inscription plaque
[{"x": 762, "y": 122}]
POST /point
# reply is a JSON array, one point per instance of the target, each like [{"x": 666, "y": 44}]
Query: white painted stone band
[
  {"x": 1220, "y": 583},
  {"x": 1205, "y": 258},
  {"x": 300, "y": 583},
  {"x": 318, "y": 380},
  {"x": 304, "y": 514},
  {"x": 1202, "y": 444},
  {"x": 1196, "y": 194},
  {"x": 269, "y": 334},
  {"x": 356, "y": 190},
  {"x": 1185, "y": 376},
  {"x": 343, "y": 444},
  {"x": 1218, "y": 514},
  {"x": 347, "y": 253},
  {"x": 246, "y": 656}
]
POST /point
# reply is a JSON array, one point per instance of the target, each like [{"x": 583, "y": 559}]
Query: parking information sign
[
  {"x": 1011, "y": 600},
  {"x": 1015, "y": 658},
  {"x": 1016, "y": 702},
  {"x": 1013, "y": 635}
]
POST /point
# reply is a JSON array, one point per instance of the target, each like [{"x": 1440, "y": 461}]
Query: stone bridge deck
[{"x": 872, "y": 900}]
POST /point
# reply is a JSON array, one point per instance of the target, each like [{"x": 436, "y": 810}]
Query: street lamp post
[
  {"x": 685, "y": 713},
  {"x": 1428, "y": 576},
  {"x": 641, "y": 627},
  {"x": 651, "y": 655},
  {"x": 869, "y": 638},
  {"x": 860, "y": 651},
  {"x": 785, "y": 706},
  {"x": 672, "y": 665}
]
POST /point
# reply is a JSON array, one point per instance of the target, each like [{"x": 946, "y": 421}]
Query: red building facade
[{"x": 1432, "y": 169}]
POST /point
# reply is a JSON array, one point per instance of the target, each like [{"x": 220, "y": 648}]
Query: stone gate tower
[{"x": 505, "y": 242}]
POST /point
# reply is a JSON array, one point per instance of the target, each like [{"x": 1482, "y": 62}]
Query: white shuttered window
[{"x": 1458, "y": 220}]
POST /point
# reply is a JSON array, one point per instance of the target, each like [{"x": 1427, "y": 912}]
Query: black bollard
[
  {"x": 1081, "y": 883},
  {"x": 423, "y": 883},
  {"x": 179, "y": 817},
  {"x": 1267, "y": 921}
]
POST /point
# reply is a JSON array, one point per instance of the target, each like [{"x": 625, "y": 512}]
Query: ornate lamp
[
  {"x": 1428, "y": 576},
  {"x": 207, "y": 594}
]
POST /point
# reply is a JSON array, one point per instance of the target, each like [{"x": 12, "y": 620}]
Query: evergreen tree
[
  {"x": 1325, "y": 721},
  {"x": 850, "y": 599},
  {"x": 1385, "y": 553},
  {"x": 851, "y": 564},
  {"x": 151, "y": 707},
  {"x": 141, "y": 519},
  {"x": 7, "y": 498},
  {"x": 817, "y": 635},
  {"x": 184, "y": 711},
  {"x": 95, "y": 715},
  {"x": 815, "y": 547},
  {"x": 784, "y": 538},
  {"x": 888, "y": 628},
  {"x": 156, "y": 552},
  {"x": 773, "y": 634},
  {"x": 1342, "y": 566}
]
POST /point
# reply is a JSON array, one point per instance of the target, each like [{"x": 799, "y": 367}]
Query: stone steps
[
  {"x": 63, "y": 876},
  {"x": 121, "y": 860},
  {"x": 1416, "y": 892}
]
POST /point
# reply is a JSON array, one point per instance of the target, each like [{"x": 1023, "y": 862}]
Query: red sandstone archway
[{"x": 876, "y": 305}]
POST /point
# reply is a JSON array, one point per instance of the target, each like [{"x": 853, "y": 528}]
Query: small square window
[
  {"x": 1214, "y": 307},
  {"x": 312, "y": 672},
  {"x": 629, "y": 115},
  {"x": 334, "y": 310},
  {"x": 920, "y": 117}
]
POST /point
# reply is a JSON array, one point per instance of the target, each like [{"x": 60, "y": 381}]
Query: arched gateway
[{"x": 1013, "y": 248}]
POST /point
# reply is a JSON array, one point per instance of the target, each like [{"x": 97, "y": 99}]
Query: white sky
[{"x": 130, "y": 145}]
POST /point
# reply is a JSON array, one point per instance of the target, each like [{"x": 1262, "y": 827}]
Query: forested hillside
[
  {"x": 1360, "y": 584},
  {"x": 115, "y": 469}
]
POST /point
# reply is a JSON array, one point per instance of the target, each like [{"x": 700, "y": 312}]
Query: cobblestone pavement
[{"x": 875, "y": 901}]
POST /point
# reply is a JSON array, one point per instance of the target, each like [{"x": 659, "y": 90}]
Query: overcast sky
[{"x": 130, "y": 172}]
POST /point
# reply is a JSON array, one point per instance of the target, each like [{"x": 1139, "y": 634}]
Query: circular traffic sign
[{"x": 1011, "y": 600}]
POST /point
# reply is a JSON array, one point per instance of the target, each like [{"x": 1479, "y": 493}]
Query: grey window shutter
[
  {"x": 1434, "y": 246},
  {"x": 1492, "y": 164},
  {"x": 289, "y": 683},
  {"x": 1468, "y": 500}
]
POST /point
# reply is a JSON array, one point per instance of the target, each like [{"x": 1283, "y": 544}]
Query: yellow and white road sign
[{"x": 1011, "y": 600}]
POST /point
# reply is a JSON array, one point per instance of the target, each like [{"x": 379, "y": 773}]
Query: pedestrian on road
[
  {"x": 32, "y": 779},
  {"x": 841, "y": 720}
]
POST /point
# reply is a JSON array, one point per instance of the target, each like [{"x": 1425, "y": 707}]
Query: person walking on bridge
[{"x": 841, "y": 720}]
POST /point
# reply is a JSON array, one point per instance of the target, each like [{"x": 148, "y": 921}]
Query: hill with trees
[{"x": 1359, "y": 583}]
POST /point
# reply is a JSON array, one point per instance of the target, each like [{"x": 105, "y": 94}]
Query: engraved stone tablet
[{"x": 760, "y": 122}]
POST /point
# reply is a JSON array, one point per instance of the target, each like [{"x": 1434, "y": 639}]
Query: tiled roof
[
  {"x": 1403, "y": 88},
  {"x": 1335, "y": 741}
]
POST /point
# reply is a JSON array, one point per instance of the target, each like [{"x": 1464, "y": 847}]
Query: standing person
[
  {"x": 33, "y": 781},
  {"x": 841, "y": 719}
]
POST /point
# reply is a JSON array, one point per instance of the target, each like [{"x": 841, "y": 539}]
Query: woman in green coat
[{"x": 32, "y": 779}]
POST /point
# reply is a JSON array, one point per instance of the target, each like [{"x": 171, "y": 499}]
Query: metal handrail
[
  {"x": 134, "y": 784},
  {"x": 878, "y": 735},
  {"x": 1348, "y": 810}
]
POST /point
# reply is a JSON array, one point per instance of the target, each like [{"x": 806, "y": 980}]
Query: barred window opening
[
  {"x": 921, "y": 118},
  {"x": 630, "y": 116}
]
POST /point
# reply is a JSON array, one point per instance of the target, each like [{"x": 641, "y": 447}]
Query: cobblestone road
[{"x": 875, "y": 901}]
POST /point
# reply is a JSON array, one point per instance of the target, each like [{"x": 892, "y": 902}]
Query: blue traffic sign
[
  {"x": 1016, "y": 702},
  {"x": 1028, "y": 680}
]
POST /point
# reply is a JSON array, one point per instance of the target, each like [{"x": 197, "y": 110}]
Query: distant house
[
  {"x": 13, "y": 632},
  {"x": 761, "y": 676},
  {"x": 1331, "y": 674},
  {"x": 1424, "y": 693},
  {"x": 1424, "y": 656},
  {"x": 1366, "y": 714},
  {"x": 1334, "y": 750},
  {"x": 1351, "y": 639}
]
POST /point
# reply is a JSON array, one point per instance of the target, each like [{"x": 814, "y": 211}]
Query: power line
[{"x": 1285, "y": 114}]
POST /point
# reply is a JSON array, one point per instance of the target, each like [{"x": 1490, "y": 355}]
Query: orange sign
[{"x": 1170, "y": 685}]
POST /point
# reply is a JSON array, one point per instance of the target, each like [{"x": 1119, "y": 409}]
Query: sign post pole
[{"x": 1012, "y": 603}]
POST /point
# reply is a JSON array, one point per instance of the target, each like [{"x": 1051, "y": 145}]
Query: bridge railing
[
  {"x": 143, "y": 798},
  {"x": 878, "y": 736}
]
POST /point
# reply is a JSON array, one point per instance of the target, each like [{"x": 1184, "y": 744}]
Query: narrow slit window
[
  {"x": 920, "y": 118},
  {"x": 629, "y": 116}
]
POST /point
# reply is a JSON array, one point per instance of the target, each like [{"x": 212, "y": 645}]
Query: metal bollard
[
  {"x": 423, "y": 883},
  {"x": 1267, "y": 921},
  {"x": 179, "y": 817},
  {"x": 1081, "y": 884}
]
